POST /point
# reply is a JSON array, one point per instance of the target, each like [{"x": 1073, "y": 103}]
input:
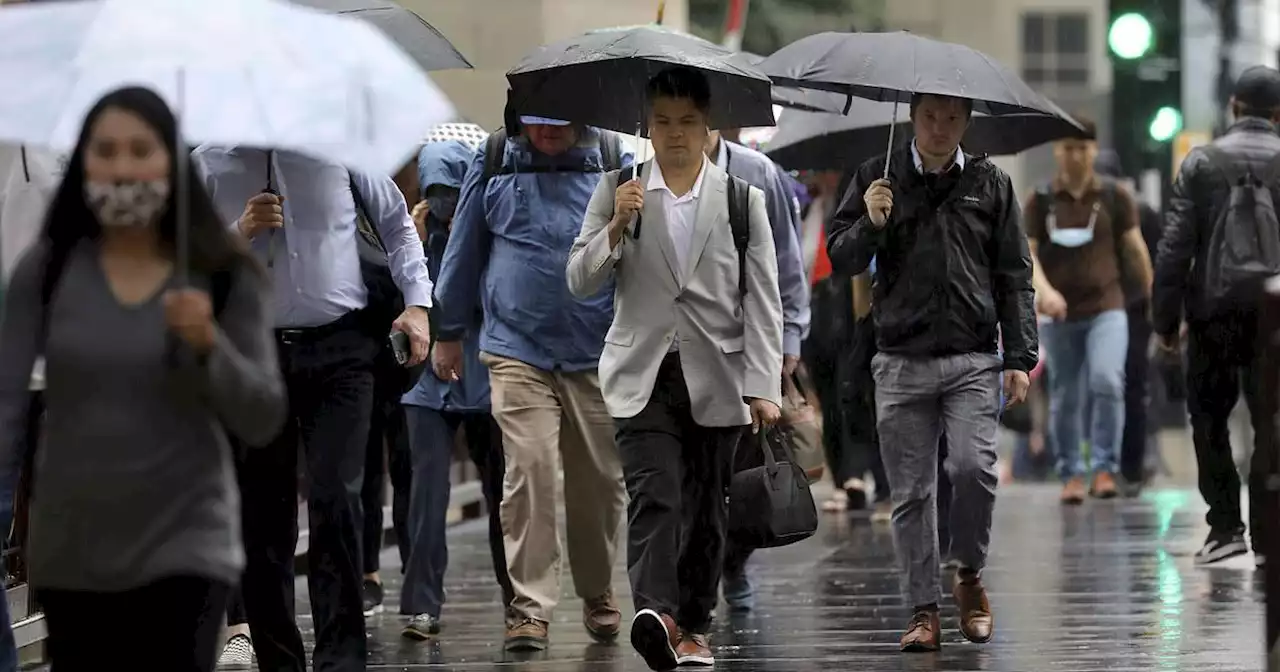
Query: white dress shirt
[
  {"x": 681, "y": 214},
  {"x": 313, "y": 258}
]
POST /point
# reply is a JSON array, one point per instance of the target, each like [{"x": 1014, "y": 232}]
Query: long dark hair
[{"x": 69, "y": 219}]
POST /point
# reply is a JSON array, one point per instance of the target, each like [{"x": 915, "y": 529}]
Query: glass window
[
  {"x": 1034, "y": 38},
  {"x": 1071, "y": 34},
  {"x": 1055, "y": 49}
]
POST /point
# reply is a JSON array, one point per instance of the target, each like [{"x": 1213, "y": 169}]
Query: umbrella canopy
[
  {"x": 419, "y": 39},
  {"x": 298, "y": 79},
  {"x": 824, "y": 141},
  {"x": 599, "y": 78},
  {"x": 893, "y": 66}
]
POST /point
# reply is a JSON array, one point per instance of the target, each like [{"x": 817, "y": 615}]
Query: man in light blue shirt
[{"x": 300, "y": 216}]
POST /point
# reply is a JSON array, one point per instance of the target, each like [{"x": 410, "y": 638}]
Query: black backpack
[
  {"x": 495, "y": 150},
  {"x": 739, "y": 219},
  {"x": 1244, "y": 247}
]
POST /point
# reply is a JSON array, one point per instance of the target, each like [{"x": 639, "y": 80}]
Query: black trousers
[
  {"x": 1222, "y": 358},
  {"x": 677, "y": 475},
  {"x": 328, "y": 372},
  {"x": 182, "y": 616},
  {"x": 387, "y": 451},
  {"x": 1137, "y": 373}
]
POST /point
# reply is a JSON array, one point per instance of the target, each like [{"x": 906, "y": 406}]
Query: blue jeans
[{"x": 1088, "y": 359}]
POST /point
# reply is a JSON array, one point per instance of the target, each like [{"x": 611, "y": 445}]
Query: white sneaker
[{"x": 238, "y": 654}]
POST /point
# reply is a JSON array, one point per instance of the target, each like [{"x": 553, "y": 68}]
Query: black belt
[{"x": 299, "y": 335}]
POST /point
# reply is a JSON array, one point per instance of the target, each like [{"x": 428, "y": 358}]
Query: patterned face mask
[{"x": 132, "y": 203}]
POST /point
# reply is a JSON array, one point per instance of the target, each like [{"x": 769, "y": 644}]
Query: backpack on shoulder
[
  {"x": 495, "y": 150},
  {"x": 1244, "y": 247},
  {"x": 739, "y": 219}
]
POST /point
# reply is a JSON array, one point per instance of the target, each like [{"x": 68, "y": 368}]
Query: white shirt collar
[
  {"x": 658, "y": 183},
  {"x": 958, "y": 161}
]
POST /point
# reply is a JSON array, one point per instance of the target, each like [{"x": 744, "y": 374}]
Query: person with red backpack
[{"x": 1221, "y": 242}]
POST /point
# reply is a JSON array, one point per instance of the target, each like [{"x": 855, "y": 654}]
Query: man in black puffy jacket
[
  {"x": 953, "y": 275},
  {"x": 1221, "y": 352}
]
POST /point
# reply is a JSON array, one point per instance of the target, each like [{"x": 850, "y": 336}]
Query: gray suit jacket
[{"x": 730, "y": 345}]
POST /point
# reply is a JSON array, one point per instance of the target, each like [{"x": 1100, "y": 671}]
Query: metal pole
[{"x": 1269, "y": 343}]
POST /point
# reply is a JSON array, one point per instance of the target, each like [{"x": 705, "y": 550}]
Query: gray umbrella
[
  {"x": 598, "y": 79},
  {"x": 419, "y": 39}
]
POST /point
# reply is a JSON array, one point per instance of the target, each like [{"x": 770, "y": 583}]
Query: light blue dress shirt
[{"x": 313, "y": 259}]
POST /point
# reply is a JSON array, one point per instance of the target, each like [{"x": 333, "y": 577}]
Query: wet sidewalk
[{"x": 1106, "y": 586}]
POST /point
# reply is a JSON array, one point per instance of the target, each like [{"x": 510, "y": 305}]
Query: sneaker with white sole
[
  {"x": 655, "y": 637},
  {"x": 421, "y": 627},
  {"x": 372, "y": 597},
  {"x": 1220, "y": 546},
  {"x": 237, "y": 654}
]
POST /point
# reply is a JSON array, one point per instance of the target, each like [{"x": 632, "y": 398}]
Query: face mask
[
  {"x": 442, "y": 206},
  {"x": 1071, "y": 237},
  {"x": 131, "y": 203}
]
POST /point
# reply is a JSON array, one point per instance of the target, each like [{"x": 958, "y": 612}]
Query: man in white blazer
[{"x": 690, "y": 360}]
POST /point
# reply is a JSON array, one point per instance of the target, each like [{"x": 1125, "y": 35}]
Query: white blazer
[{"x": 730, "y": 345}]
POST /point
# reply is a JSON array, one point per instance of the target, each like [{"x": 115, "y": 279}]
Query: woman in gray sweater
[{"x": 135, "y": 513}]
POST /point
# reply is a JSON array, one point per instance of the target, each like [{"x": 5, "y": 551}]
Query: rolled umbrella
[
  {"x": 599, "y": 78},
  {"x": 824, "y": 141},
  {"x": 419, "y": 39},
  {"x": 892, "y": 67}
]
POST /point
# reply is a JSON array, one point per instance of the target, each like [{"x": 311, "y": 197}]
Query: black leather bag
[{"x": 770, "y": 505}]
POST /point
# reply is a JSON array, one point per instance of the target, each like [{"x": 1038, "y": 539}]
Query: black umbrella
[
  {"x": 599, "y": 78},
  {"x": 419, "y": 39},
  {"x": 894, "y": 66},
  {"x": 824, "y": 141}
]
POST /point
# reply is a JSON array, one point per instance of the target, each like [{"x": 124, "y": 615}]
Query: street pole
[{"x": 1269, "y": 342}]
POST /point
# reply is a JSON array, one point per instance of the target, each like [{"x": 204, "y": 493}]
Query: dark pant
[
  {"x": 182, "y": 617},
  {"x": 431, "y": 435},
  {"x": 328, "y": 372},
  {"x": 677, "y": 475},
  {"x": 386, "y": 451},
  {"x": 235, "y": 608},
  {"x": 1137, "y": 372},
  {"x": 1222, "y": 357}
]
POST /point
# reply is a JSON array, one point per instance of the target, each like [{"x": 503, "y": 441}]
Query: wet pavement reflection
[{"x": 1105, "y": 586}]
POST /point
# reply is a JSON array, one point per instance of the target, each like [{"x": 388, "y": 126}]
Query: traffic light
[{"x": 1144, "y": 38}]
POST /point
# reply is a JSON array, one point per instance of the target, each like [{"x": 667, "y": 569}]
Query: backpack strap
[
  {"x": 363, "y": 225},
  {"x": 1221, "y": 160},
  {"x": 495, "y": 150},
  {"x": 740, "y": 224}
]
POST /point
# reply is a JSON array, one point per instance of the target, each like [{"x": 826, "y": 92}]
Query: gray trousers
[{"x": 918, "y": 400}]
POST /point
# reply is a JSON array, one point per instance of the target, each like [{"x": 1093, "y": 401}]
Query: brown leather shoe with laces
[
  {"x": 601, "y": 617},
  {"x": 976, "y": 621},
  {"x": 694, "y": 650},
  {"x": 526, "y": 634},
  {"x": 922, "y": 633},
  {"x": 1073, "y": 492},
  {"x": 655, "y": 637}
]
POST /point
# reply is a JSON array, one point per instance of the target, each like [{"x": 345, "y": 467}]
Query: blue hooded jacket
[
  {"x": 508, "y": 251},
  {"x": 445, "y": 163}
]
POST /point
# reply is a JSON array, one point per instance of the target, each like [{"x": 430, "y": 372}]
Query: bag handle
[{"x": 770, "y": 462}]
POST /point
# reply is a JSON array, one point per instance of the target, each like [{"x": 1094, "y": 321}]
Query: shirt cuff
[
  {"x": 616, "y": 253},
  {"x": 419, "y": 294},
  {"x": 791, "y": 344}
]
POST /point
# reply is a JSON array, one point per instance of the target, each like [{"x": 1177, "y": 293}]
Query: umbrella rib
[{"x": 1003, "y": 80}]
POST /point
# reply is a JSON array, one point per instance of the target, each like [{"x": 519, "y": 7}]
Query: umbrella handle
[{"x": 888, "y": 154}]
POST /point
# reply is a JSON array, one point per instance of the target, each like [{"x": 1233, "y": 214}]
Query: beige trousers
[{"x": 545, "y": 415}]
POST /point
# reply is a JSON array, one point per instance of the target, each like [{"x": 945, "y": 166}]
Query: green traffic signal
[
  {"x": 1131, "y": 36},
  {"x": 1166, "y": 124}
]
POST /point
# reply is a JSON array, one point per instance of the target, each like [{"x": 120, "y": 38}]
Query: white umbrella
[{"x": 262, "y": 73}]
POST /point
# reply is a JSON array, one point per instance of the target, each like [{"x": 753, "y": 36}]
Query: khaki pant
[{"x": 542, "y": 413}]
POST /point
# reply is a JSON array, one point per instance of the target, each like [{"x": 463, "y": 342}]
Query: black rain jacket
[{"x": 953, "y": 270}]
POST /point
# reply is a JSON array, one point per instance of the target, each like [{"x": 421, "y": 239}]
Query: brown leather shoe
[
  {"x": 655, "y": 637},
  {"x": 601, "y": 617},
  {"x": 922, "y": 633},
  {"x": 1104, "y": 486},
  {"x": 694, "y": 650},
  {"x": 1073, "y": 492},
  {"x": 526, "y": 634},
  {"x": 976, "y": 622}
]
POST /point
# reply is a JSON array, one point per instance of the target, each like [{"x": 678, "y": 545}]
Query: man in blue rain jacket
[
  {"x": 436, "y": 408},
  {"x": 507, "y": 252}
]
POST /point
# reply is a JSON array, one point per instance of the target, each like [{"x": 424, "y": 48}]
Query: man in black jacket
[
  {"x": 1221, "y": 349},
  {"x": 953, "y": 275}
]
